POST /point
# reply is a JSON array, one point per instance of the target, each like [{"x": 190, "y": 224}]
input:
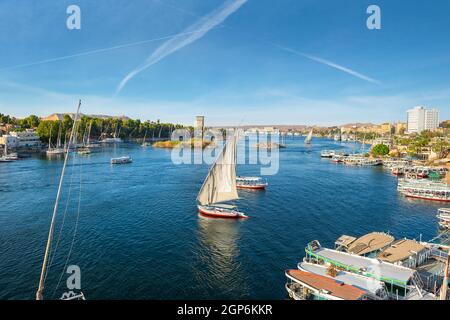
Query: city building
[
  {"x": 27, "y": 138},
  {"x": 420, "y": 119},
  {"x": 21, "y": 139},
  {"x": 400, "y": 128}
]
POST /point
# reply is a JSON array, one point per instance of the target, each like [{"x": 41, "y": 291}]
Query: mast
[
  {"x": 59, "y": 136},
  {"x": 50, "y": 137},
  {"x": 88, "y": 140},
  {"x": 39, "y": 295},
  {"x": 443, "y": 294}
]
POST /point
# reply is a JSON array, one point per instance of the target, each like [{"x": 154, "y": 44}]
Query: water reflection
[{"x": 217, "y": 266}]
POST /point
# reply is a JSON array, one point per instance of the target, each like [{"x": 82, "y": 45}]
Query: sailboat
[
  {"x": 309, "y": 137},
  {"x": 8, "y": 157},
  {"x": 220, "y": 185},
  {"x": 45, "y": 263},
  {"x": 115, "y": 138},
  {"x": 58, "y": 149},
  {"x": 144, "y": 143}
]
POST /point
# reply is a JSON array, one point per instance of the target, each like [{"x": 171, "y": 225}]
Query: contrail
[
  {"x": 330, "y": 64},
  {"x": 96, "y": 51},
  {"x": 202, "y": 26}
]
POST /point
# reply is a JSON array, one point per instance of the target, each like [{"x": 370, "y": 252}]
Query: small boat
[
  {"x": 338, "y": 159},
  {"x": 256, "y": 183},
  {"x": 121, "y": 160},
  {"x": 398, "y": 171},
  {"x": 220, "y": 185},
  {"x": 327, "y": 154}
]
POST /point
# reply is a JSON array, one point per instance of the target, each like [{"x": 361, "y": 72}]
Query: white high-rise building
[{"x": 420, "y": 119}]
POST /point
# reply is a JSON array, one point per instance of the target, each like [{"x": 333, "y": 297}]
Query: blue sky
[{"x": 268, "y": 62}]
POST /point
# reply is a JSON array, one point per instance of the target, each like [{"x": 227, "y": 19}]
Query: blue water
[{"x": 139, "y": 236}]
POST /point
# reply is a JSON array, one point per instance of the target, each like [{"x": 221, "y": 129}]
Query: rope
[
  {"x": 74, "y": 233},
  {"x": 62, "y": 223}
]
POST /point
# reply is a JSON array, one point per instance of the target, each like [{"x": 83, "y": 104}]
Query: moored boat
[{"x": 425, "y": 190}]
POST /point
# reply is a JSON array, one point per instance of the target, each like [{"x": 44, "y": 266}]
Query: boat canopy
[
  {"x": 401, "y": 250},
  {"x": 370, "y": 242},
  {"x": 329, "y": 286},
  {"x": 369, "y": 267}
]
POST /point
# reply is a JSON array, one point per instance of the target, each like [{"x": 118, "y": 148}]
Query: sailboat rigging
[{"x": 40, "y": 290}]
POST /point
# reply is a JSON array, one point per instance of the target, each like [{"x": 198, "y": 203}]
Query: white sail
[
  {"x": 309, "y": 137},
  {"x": 220, "y": 184}
]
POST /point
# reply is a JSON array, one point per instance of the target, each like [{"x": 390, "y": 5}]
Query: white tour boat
[{"x": 256, "y": 183}]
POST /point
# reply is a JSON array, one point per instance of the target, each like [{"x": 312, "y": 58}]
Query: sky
[{"x": 236, "y": 62}]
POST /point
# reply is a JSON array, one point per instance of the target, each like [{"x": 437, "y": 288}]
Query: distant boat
[
  {"x": 256, "y": 183},
  {"x": 121, "y": 160},
  {"x": 327, "y": 153},
  {"x": 309, "y": 137},
  {"x": 220, "y": 185}
]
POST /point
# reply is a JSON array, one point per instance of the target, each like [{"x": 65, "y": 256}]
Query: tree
[{"x": 380, "y": 150}]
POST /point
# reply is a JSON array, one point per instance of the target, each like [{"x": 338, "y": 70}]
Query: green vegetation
[{"x": 380, "y": 150}]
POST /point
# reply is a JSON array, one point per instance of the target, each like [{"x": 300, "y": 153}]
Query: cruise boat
[
  {"x": 121, "y": 160},
  {"x": 256, "y": 183},
  {"x": 444, "y": 218},
  {"x": 424, "y": 189},
  {"x": 302, "y": 285},
  {"x": 402, "y": 283},
  {"x": 327, "y": 153},
  {"x": 374, "y": 289},
  {"x": 220, "y": 185}
]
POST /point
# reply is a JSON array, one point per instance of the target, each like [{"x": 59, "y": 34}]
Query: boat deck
[
  {"x": 363, "y": 283},
  {"x": 330, "y": 286},
  {"x": 367, "y": 266}
]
